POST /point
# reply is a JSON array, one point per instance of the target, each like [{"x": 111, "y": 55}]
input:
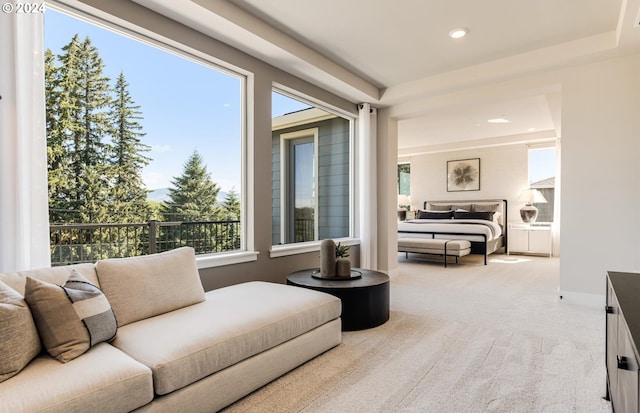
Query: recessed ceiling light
[
  {"x": 501, "y": 119},
  {"x": 458, "y": 33},
  {"x": 531, "y": 129}
]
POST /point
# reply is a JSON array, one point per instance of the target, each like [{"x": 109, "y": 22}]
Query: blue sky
[
  {"x": 185, "y": 106},
  {"x": 541, "y": 164}
]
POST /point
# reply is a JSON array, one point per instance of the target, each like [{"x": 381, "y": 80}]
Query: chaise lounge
[{"x": 177, "y": 348}]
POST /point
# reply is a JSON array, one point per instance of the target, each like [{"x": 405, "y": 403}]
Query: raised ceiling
[
  {"x": 398, "y": 54},
  {"x": 393, "y": 42}
]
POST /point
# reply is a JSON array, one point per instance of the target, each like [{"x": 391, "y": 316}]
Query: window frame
[
  {"x": 543, "y": 147},
  {"x": 286, "y": 175},
  {"x": 247, "y": 252},
  {"x": 399, "y": 177},
  {"x": 352, "y": 239}
]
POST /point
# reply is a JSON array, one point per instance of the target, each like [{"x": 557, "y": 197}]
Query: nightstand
[{"x": 530, "y": 239}]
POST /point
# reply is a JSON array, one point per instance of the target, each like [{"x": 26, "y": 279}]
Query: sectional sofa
[{"x": 141, "y": 334}]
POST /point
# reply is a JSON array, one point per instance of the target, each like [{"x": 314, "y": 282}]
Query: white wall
[
  {"x": 503, "y": 175},
  {"x": 600, "y": 176}
]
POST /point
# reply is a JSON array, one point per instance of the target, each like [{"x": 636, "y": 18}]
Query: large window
[
  {"x": 311, "y": 152},
  {"x": 542, "y": 167},
  {"x": 144, "y": 146}
]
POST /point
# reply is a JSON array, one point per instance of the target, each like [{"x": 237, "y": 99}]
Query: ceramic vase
[
  {"x": 343, "y": 267},
  {"x": 327, "y": 259}
]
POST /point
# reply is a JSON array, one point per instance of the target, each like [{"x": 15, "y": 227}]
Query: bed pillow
[
  {"x": 485, "y": 207},
  {"x": 488, "y": 216},
  {"x": 437, "y": 207},
  {"x": 70, "y": 318},
  {"x": 435, "y": 214},
  {"x": 461, "y": 207},
  {"x": 19, "y": 340}
]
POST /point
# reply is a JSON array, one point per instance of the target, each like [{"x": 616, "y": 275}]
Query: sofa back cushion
[
  {"x": 19, "y": 341},
  {"x": 53, "y": 275},
  {"x": 149, "y": 285}
]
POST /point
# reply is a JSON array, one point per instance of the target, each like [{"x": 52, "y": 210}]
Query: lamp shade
[
  {"x": 404, "y": 200},
  {"x": 529, "y": 213},
  {"x": 531, "y": 196}
]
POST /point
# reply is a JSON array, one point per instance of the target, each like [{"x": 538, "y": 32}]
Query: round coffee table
[{"x": 365, "y": 297}]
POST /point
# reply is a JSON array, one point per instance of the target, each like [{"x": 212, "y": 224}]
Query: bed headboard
[{"x": 500, "y": 206}]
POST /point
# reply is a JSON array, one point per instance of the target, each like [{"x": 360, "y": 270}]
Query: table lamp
[{"x": 529, "y": 213}]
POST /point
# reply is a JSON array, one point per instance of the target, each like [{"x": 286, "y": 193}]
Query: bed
[{"x": 482, "y": 222}]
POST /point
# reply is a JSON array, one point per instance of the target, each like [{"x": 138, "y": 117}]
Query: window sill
[
  {"x": 228, "y": 258},
  {"x": 306, "y": 247}
]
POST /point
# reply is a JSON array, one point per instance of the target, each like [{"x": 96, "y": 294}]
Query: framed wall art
[{"x": 463, "y": 175}]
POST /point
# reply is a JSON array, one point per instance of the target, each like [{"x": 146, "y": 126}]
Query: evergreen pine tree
[
  {"x": 193, "y": 195},
  {"x": 128, "y": 199},
  {"x": 84, "y": 98},
  {"x": 56, "y": 151},
  {"x": 231, "y": 206}
]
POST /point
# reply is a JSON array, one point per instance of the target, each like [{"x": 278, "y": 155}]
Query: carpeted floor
[{"x": 468, "y": 338}]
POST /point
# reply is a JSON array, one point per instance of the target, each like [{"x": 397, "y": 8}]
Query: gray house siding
[{"x": 332, "y": 194}]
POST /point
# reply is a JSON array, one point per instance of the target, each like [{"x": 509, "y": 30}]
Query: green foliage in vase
[{"x": 342, "y": 251}]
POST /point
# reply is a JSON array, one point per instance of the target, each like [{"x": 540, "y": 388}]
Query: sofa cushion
[
  {"x": 19, "y": 341},
  {"x": 233, "y": 324},
  {"x": 149, "y": 285},
  {"x": 101, "y": 380},
  {"x": 53, "y": 275},
  {"x": 70, "y": 318}
]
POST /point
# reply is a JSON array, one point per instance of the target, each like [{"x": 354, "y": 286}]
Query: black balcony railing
[
  {"x": 76, "y": 243},
  {"x": 304, "y": 229}
]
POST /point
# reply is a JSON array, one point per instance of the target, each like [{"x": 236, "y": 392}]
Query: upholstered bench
[{"x": 436, "y": 246}]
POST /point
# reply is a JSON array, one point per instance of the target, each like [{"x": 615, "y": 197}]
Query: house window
[
  {"x": 299, "y": 178},
  {"x": 145, "y": 146},
  {"x": 312, "y": 160},
  {"x": 542, "y": 167}
]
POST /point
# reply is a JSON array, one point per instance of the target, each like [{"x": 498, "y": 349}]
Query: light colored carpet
[{"x": 468, "y": 338}]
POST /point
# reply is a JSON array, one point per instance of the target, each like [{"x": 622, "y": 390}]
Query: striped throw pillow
[{"x": 70, "y": 318}]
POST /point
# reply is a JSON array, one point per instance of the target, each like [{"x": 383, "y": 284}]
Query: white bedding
[{"x": 420, "y": 228}]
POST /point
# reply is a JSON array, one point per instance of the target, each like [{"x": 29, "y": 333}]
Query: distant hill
[{"x": 162, "y": 195}]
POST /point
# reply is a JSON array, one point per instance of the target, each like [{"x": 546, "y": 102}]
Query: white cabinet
[{"x": 529, "y": 239}]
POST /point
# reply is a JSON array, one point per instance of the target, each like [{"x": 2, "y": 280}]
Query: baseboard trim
[{"x": 588, "y": 300}]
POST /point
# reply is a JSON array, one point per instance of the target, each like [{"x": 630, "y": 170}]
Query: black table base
[{"x": 365, "y": 299}]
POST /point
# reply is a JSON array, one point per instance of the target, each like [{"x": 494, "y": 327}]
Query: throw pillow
[
  {"x": 435, "y": 214},
  {"x": 488, "y": 216},
  {"x": 19, "y": 341},
  {"x": 70, "y": 318}
]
